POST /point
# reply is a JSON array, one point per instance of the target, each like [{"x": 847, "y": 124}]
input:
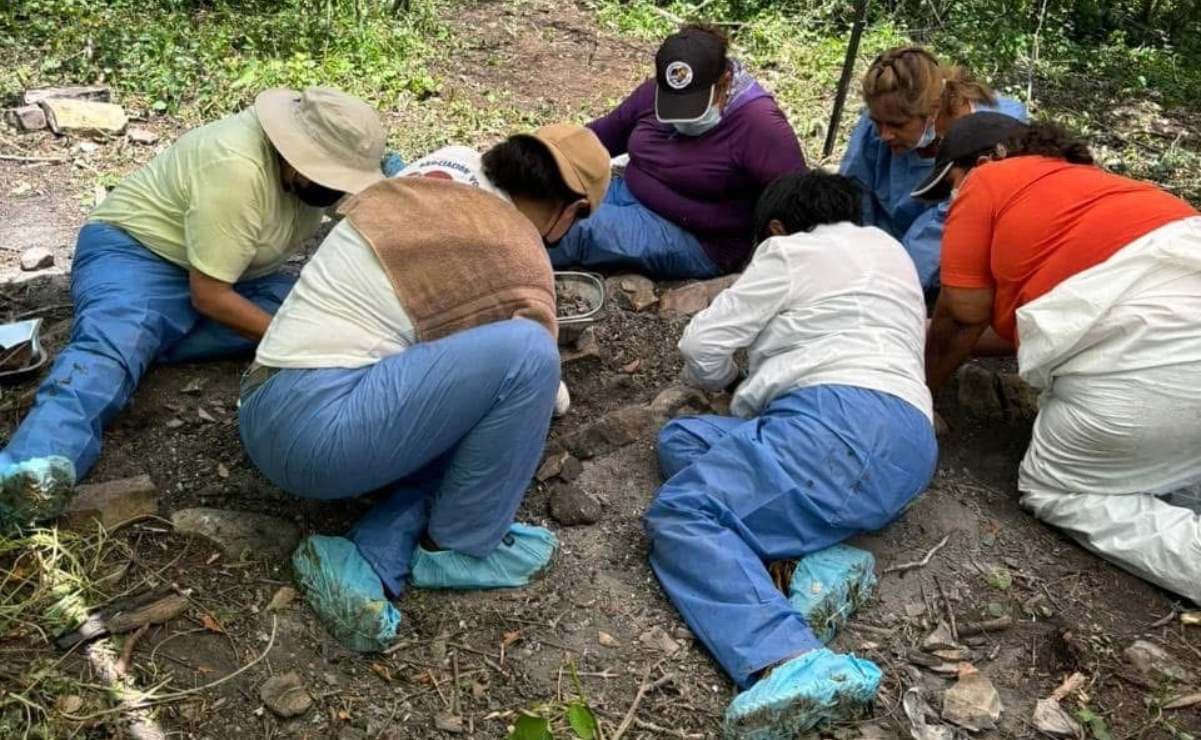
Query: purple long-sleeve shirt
[{"x": 705, "y": 184}]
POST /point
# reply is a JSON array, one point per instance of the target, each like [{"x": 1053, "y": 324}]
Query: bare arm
[
  {"x": 960, "y": 318},
  {"x": 218, "y": 300}
]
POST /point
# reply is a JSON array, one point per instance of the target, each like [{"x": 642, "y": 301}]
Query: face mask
[
  {"x": 710, "y": 118},
  {"x": 318, "y": 196},
  {"x": 954, "y": 194},
  {"x": 928, "y": 136}
]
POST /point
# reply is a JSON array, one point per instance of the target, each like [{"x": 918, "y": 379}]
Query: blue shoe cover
[
  {"x": 815, "y": 687},
  {"x": 391, "y": 164},
  {"x": 829, "y": 585},
  {"x": 34, "y": 490},
  {"x": 524, "y": 551},
  {"x": 346, "y": 593}
]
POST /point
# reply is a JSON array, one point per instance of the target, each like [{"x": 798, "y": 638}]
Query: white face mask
[
  {"x": 954, "y": 194},
  {"x": 928, "y": 136},
  {"x": 710, "y": 118}
]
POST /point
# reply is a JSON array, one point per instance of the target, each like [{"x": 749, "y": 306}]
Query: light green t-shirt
[{"x": 213, "y": 201}]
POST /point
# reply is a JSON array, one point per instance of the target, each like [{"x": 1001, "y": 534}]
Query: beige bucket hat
[{"x": 332, "y": 138}]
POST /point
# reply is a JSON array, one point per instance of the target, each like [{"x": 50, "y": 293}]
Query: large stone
[
  {"x": 1051, "y": 719},
  {"x": 1021, "y": 398},
  {"x": 1156, "y": 663},
  {"x": 142, "y": 136},
  {"x": 286, "y": 695},
  {"x": 29, "y": 118},
  {"x": 979, "y": 394},
  {"x": 972, "y": 703},
  {"x": 36, "y": 258},
  {"x": 610, "y": 432},
  {"x": 678, "y": 400},
  {"x": 239, "y": 533},
  {"x": 570, "y": 505},
  {"x": 693, "y": 297},
  {"x": 98, "y": 93},
  {"x": 582, "y": 347},
  {"x": 84, "y": 117},
  {"x": 632, "y": 292},
  {"x": 112, "y": 504}
]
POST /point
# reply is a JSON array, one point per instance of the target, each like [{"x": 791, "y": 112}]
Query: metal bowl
[{"x": 581, "y": 286}]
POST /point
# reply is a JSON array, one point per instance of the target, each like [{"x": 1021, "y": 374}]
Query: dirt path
[{"x": 468, "y": 662}]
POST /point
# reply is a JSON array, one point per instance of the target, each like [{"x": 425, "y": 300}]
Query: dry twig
[{"x": 919, "y": 563}]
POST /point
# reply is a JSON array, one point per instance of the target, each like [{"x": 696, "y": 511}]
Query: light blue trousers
[
  {"x": 624, "y": 234},
  {"x": 819, "y": 465},
  {"x": 449, "y": 431},
  {"x": 132, "y": 308}
]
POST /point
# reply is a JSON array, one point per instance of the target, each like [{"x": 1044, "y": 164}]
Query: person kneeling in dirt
[
  {"x": 416, "y": 357},
  {"x": 832, "y": 435},
  {"x": 1096, "y": 279},
  {"x": 704, "y": 139},
  {"x": 180, "y": 263}
]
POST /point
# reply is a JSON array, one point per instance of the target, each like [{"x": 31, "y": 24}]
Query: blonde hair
[{"x": 920, "y": 84}]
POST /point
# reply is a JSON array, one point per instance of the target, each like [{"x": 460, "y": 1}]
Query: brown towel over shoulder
[{"x": 458, "y": 256}]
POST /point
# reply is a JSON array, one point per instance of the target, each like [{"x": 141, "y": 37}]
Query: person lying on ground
[
  {"x": 831, "y": 435},
  {"x": 416, "y": 358},
  {"x": 704, "y": 139},
  {"x": 181, "y": 262},
  {"x": 912, "y": 99},
  {"x": 1096, "y": 279}
]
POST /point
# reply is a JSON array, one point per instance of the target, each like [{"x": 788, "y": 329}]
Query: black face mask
[{"x": 318, "y": 196}]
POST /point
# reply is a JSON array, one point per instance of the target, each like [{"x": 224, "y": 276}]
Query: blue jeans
[
  {"x": 624, "y": 234},
  {"x": 132, "y": 308},
  {"x": 451, "y": 431},
  {"x": 821, "y": 464}
]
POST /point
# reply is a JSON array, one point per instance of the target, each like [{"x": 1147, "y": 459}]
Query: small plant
[{"x": 539, "y": 722}]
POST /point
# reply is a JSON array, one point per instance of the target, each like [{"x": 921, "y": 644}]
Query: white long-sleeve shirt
[{"x": 838, "y": 305}]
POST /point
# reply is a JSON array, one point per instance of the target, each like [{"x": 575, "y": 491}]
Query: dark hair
[
  {"x": 1039, "y": 139},
  {"x": 716, "y": 32},
  {"x": 522, "y": 166},
  {"x": 802, "y": 201}
]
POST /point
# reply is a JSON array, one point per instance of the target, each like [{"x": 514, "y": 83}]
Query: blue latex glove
[
  {"x": 524, "y": 551},
  {"x": 346, "y": 593},
  {"x": 798, "y": 695},
  {"x": 391, "y": 164},
  {"x": 829, "y": 585},
  {"x": 33, "y": 491}
]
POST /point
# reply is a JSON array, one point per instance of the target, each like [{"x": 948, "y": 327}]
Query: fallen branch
[
  {"x": 126, "y": 616},
  {"x": 23, "y": 158},
  {"x": 1163, "y": 620},
  {"x": 1000, "y": 624},
  {"x": 646, "y": 687},
  {"x": 919, "y": 563},
  {"x": 127, "y": 650}
]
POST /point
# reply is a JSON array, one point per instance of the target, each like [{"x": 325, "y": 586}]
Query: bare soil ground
[{"x": 466, "y": 663}]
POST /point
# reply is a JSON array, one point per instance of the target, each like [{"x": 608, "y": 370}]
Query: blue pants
[
  {"x": 821, "y": 464},
  {"x": 132, "y": 308},
  {"x": 450, "y": 430},
  {"x": 624, "y": 234}
]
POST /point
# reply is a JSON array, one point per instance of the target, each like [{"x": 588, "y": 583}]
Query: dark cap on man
[
  {"x": 971, "y": 135},
  {"x": 687, "y": 67}
]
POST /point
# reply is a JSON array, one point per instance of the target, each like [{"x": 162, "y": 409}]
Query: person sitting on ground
[
  {"x": 912, "y": 99},
  {"x": 417, "y": 357},
  {"x": 1096, "y": 279},
  {"x": 181, "y": 263},
  {"x": 703, "y": 139},
  {"x": 831, "y": 435}
]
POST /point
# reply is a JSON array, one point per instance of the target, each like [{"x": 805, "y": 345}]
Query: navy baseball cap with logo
[{"x": 687, "y": 67}]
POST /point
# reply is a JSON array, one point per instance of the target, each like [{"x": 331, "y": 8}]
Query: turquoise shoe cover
[
  {"x": 524, "y": 551},
  {"x": 798, "y": 695},
  {"x": 33, "y": 491},
  {"x": 829, "y": 585},
  {"x": 346, "y": 593}
]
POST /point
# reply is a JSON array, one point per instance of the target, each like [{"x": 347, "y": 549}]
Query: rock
[
  {"x": 919, "y": 712},
  {"x": 36, "y": 258},
  {"x": 633, "y": 292},
  {"x": 607, "y": 640},
  {"x": 1191, "y": 618},
  {"x": 551, "y": 466},
  {"x": 939, "y": 639},
  {"x": 84, "y": 117},
  {"x": 1156, "y": 663},
  {"x": 68, "y": 704},
  {"x": 610, "y": 432},
  {"x": 98, "y": 93},
  {"x": 142, "y": 136},
  {"x": 631, "y": 367},
  {"x": 240, "y": 533},
  {"x": 657, "y": 637},
  {"x": 286, "y": 695},
  {"x": 693, "y": 297},
  {"x": 449, "y": 723},
  {"x": 570, "y": 505},
  {"x": 1050, "y": 718},
  {"x": 678, "y": 400},
  {"x": 979, "y": 395},
  {"x": 972, "y": 703},
  {"x": 29, "y": 118},
  {"x": 585, "y": 346},
  {"x": 282, "y": 599},
  {"x": 1021, "y": 398},
  {"x": 572, "y": 469},
  {"x": 112, "y": 504}
]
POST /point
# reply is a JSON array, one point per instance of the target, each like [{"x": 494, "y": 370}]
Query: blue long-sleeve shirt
[{"x": 889, "y": 179}]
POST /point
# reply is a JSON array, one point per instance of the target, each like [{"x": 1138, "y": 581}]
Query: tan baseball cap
[
  {"x": 582, "y": 159},
  {"x": 332, "y": 138}
]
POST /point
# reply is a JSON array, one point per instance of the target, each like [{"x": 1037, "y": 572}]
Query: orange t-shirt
[{"x": 1024, "y": 225}]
